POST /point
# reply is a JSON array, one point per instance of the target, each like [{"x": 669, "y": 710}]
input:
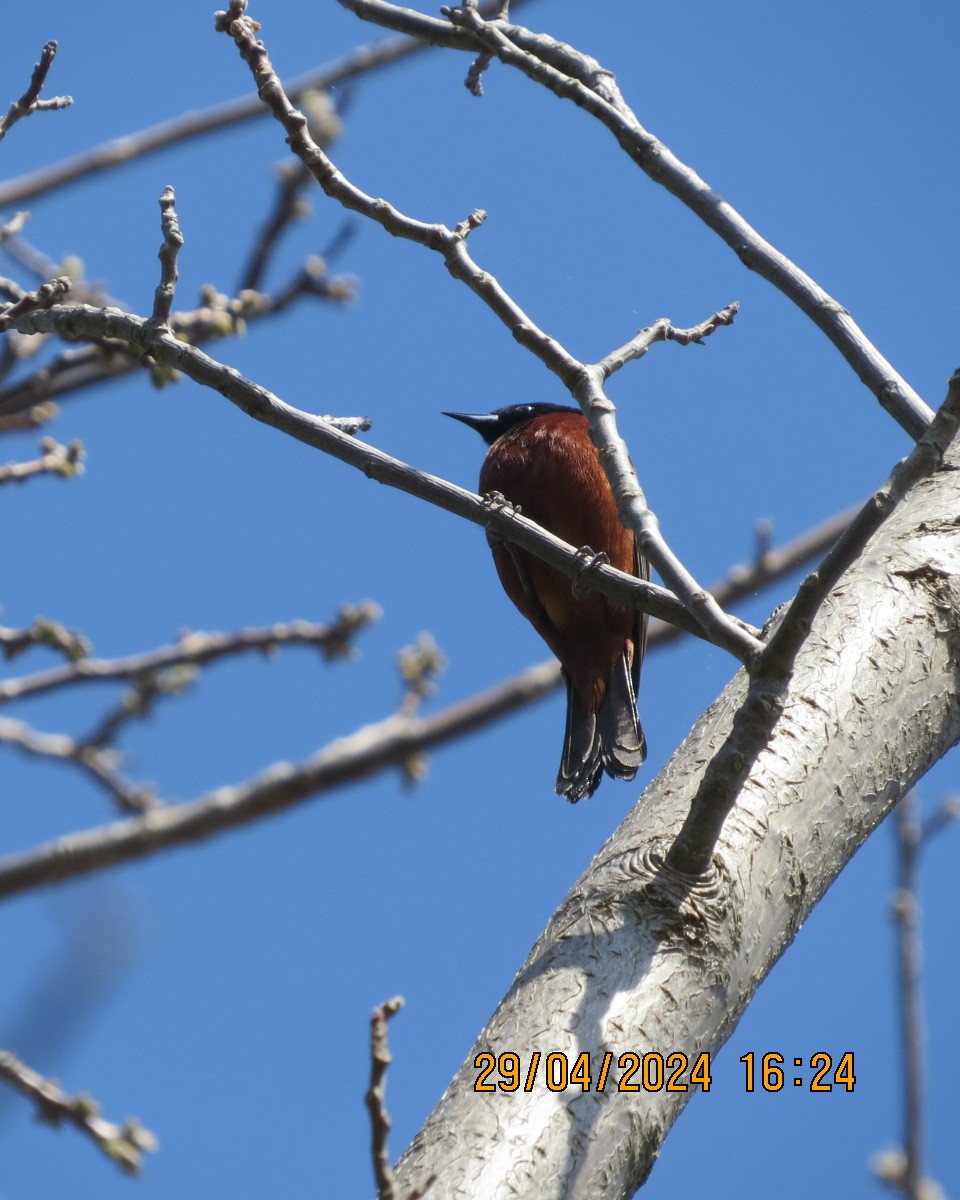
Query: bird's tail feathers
[
  {"x": 622, "y": 744},
  {"x": 580, "y": 766},
  {"x": 609, "y": 740}
]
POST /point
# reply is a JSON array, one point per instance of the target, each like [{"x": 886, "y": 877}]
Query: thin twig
[
  {"x": 44, "y": 632},
  {"x": 97, "y": 763},
  {"x": 907, "y": 916},
  {"x": 45, "y": 296},
  {"x": 380, "y": 1060},
  {"x": 65, "y": 461},
  {"x": 30, "y": 101},
  {"x": 125, "y": 1144},
  {"x": 664, "y": 331},
  {"x": 169, "y": 251},
  {"x": 902, "y": 1169},
  {"x": 289, "y": 204}
]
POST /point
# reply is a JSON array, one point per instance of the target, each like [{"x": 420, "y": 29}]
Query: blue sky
[{"x": 226, "y": 999}]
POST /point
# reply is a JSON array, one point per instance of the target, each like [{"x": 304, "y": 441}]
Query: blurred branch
[
  {"x": 30, "y": 418},
  {"x": 907, "y": 917},
  {"x": 65, "y": 461},
  {"x": 124, "y": 1144},
  {"x": 577, "y": 77},
  {"x": 903, "y": 1169},
  {"x": 196, "y": 650},
  {"x": 30, "y": 101},
  {"x": 43, "y": 632},
  {"x": 92, "y": 759},
  {"x": 769, "y": 565},
  {"x": 289, "y": 203}
]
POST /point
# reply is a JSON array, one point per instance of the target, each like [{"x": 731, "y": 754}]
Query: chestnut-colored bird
[{"x": 542, "y": 460}]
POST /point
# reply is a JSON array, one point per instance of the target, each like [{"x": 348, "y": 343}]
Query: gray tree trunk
[{"x": 637, "y": 959}]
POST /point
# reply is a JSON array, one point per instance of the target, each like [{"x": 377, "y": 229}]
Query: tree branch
[
  {"x": 395, "y": 742},
  {"x": 380, "y": 1060},
  {"x": 30, "y": 101},
  {"x": 574, "y": 76},
  {"x": 584, "y": 382},
  {"x": 94, "y": 761},
  {"x": 218, "y": 316},
  {"x": 125, "y": 1144},
  {"x": 65, "y": 461},
  {"x": 762, "y": 708},
  {"x": 192, "y": 650},
  {"x": 323, "y": 433},
  {"x": 169, "y": 251},
  {"x": 638, "y": 958}
]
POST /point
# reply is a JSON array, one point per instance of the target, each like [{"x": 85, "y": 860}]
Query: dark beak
[{"x": 486, "y": 424}]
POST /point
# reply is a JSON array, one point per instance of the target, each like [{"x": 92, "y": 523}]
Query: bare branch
[
  {"x": 903, "y": 1168},
  {"x": 925, "y": 458},
  {"x": 65, "y": 461},
  {"x": 197, "y": 650},
  {"x": 30, "y": 101},
  {"x": 31, "y": 418},
  {"x": 44, "y": 632},
  {"x": 907, "y": 916},
  {"x": 757, "y": 717},
  {"x": 99, "y": 764},
  {"x": 289, "y": 203},
  {"x": 380, "y": 1060},
  {"x": 125, "y": 1144},
  {"x": 172, "y": 243},
  {"x": 289, "y": 206},
  {"x": 664, "y": 331},
  {"x": 45, "y": 296},
  {"x": 574, "y": 76},
  {"x": 584, "y": 382},
  {"x": 396, "y": 742},
  {"x": 166, "y": 350},
  {"x": 218, "y": 316}
]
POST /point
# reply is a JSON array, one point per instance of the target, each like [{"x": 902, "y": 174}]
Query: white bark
[{"x": 635, "y": 959}]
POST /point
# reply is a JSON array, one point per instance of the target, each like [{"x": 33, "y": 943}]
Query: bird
[{"x": 542, "y": 461}]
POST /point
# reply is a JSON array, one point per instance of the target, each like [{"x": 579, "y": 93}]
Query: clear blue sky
[{"x": 229, "y": 1008}]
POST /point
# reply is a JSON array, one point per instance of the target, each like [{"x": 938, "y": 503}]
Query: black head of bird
[{"x": 542, "y": 460}]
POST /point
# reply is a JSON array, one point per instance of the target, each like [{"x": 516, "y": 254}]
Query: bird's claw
[
  {"x": 591, "y": 560},
  {"x": 495, "y": 502}
]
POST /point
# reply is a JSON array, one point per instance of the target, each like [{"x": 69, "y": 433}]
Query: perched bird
[{"x": 541, "y": 460}]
